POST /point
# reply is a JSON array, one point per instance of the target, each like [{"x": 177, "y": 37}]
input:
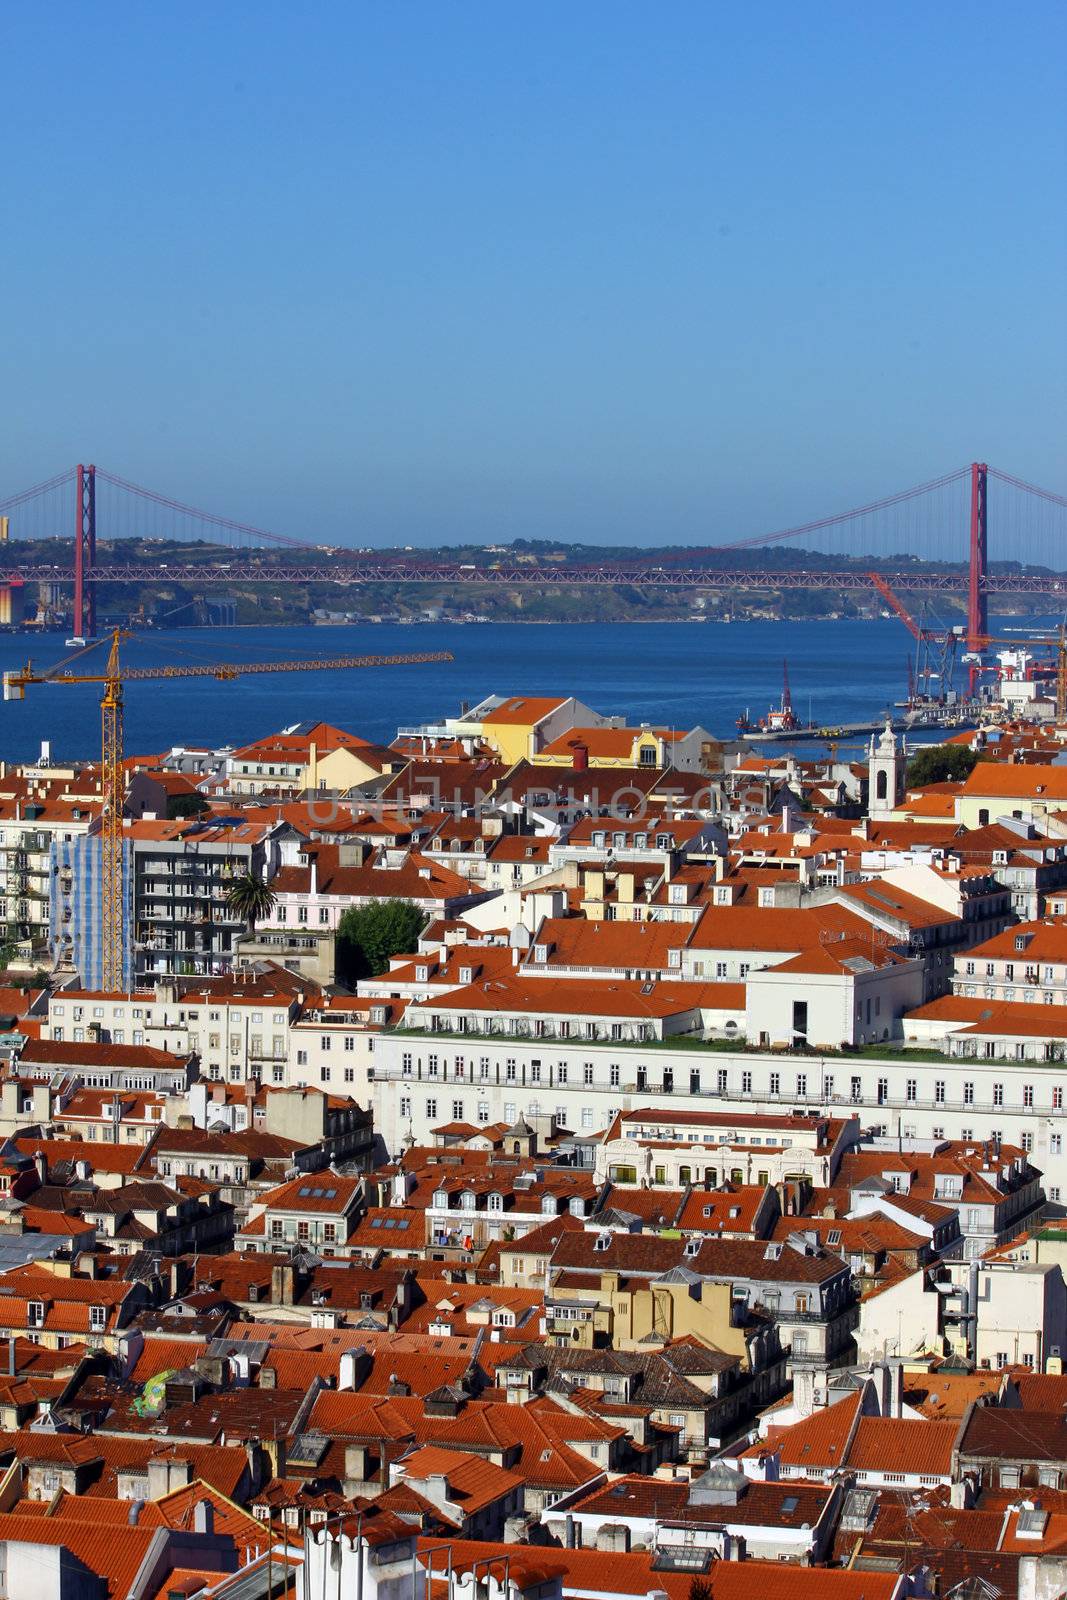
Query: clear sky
[{"x": 431, "y": 269}]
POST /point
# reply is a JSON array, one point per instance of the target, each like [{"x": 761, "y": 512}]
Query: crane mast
[{"x": 113, "y": 787}]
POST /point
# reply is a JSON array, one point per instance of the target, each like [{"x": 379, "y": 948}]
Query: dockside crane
[
  {"x": 114, "y": 678},
  {"x": 927, "y": 640}
]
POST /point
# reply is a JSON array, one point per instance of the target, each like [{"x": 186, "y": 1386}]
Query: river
[{"x": 673, "y": 674}]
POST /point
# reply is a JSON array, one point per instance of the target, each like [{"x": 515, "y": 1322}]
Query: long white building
[{"x": 423, "y": 1079}]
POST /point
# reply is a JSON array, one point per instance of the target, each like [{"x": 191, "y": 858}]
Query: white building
[{"x": 421, "y": 1080}]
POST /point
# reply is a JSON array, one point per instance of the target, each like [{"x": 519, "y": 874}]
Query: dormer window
[
  {"x": 548, "y": 1205},
  {"x": 496, "y": 1202},
  {"x": 97, "y": 1319},
  {"x": 466, "y": 974},
  {"x": 540, "y": 952},
  {"x": 692, "y": 1247},
  {"x": 603, "y": 1242},
  {"x": 600, "y": 839},
  {"x": 35, "y": 1313},
  {"x": 422, "y": 974}
]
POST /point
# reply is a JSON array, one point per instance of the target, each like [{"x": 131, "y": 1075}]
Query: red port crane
[{"x": 935, "y": 652}]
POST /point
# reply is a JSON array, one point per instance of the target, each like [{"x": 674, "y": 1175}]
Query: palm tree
[{"x": 250, "y": 897}]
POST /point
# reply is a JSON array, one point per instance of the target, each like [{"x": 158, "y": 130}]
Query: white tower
[{"x": 885, "y": 773}]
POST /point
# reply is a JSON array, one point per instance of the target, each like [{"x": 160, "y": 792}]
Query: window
[
  {"x": 968, "y": 1094},
  {"x": 431, "y": 1108},
  {"x": 911, "y": 1089},
  {"x": 405, "y": 1105},
  {"x": 1028, "y": 1094},
  {"x": 1057, "y": 1099},
  {"x": 587, "y": 1072},
  {"x": 746, "y": 1083},
  {"x": 614, "y": 1075},
  {"x": 776, "y": 1083},
  {"x": 1055, "y": 1144},
  {"x": 457, "y": 1110},
  {"x": 939, "y": 1092}
]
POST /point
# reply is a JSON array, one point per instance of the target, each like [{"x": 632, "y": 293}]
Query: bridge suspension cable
[
  {"x": 229, "y": 523},
  {"x": 848, "y": 516}
]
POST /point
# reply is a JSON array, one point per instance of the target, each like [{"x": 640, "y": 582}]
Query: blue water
[{"x": 675, "y": 674}]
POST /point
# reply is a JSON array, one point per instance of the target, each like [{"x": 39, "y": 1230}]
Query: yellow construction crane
[{"x": 114, "y": 677}]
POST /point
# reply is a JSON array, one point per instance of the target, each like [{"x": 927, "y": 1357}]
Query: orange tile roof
[
  {"x": 584, "y": 997},
  {"x": 903, "y": 1444},
  {"x": 820, "y": 1440},
  {"x": 473, "y": 1482},
  {"x": 522, "y": 711},
  {"x": 772, "y": 928},
  {"x": 1017, "y": 780}
]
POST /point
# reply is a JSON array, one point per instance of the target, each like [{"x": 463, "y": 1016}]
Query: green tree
[
  {"x": 250, "y": 897},
  {"x": 369, "y": 935},
  {"x": 941, "y": 763},
  {"x": 185, "y": 805}
]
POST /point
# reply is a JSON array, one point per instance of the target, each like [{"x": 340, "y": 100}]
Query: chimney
[
  {"x": 282, "y": 1284},
  {"x": 203, "y": 1517},
  {"x": 580, "y": 753},
  {"x": 40, "y": 1162},
  {"x": 12, "y": 1364},
  {"x": 804, "y": 1391}
]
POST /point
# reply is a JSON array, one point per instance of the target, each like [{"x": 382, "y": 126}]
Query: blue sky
[{"x": 416, "y": 272}]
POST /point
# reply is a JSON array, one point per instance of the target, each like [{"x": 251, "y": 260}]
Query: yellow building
[
  {"x": 632, "y": 1314},
  {"x": 1028, "y": 793},
  {"x": 609, "y": 747},
  {"x": 519, "y": 727}
]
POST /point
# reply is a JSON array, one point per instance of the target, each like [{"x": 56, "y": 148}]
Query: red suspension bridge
[{"x": 932, "y": 539}]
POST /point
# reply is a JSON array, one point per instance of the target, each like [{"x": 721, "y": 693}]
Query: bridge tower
[
  {"x": 85, "y": 553},
  {"x": 977, "y": 601}
]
